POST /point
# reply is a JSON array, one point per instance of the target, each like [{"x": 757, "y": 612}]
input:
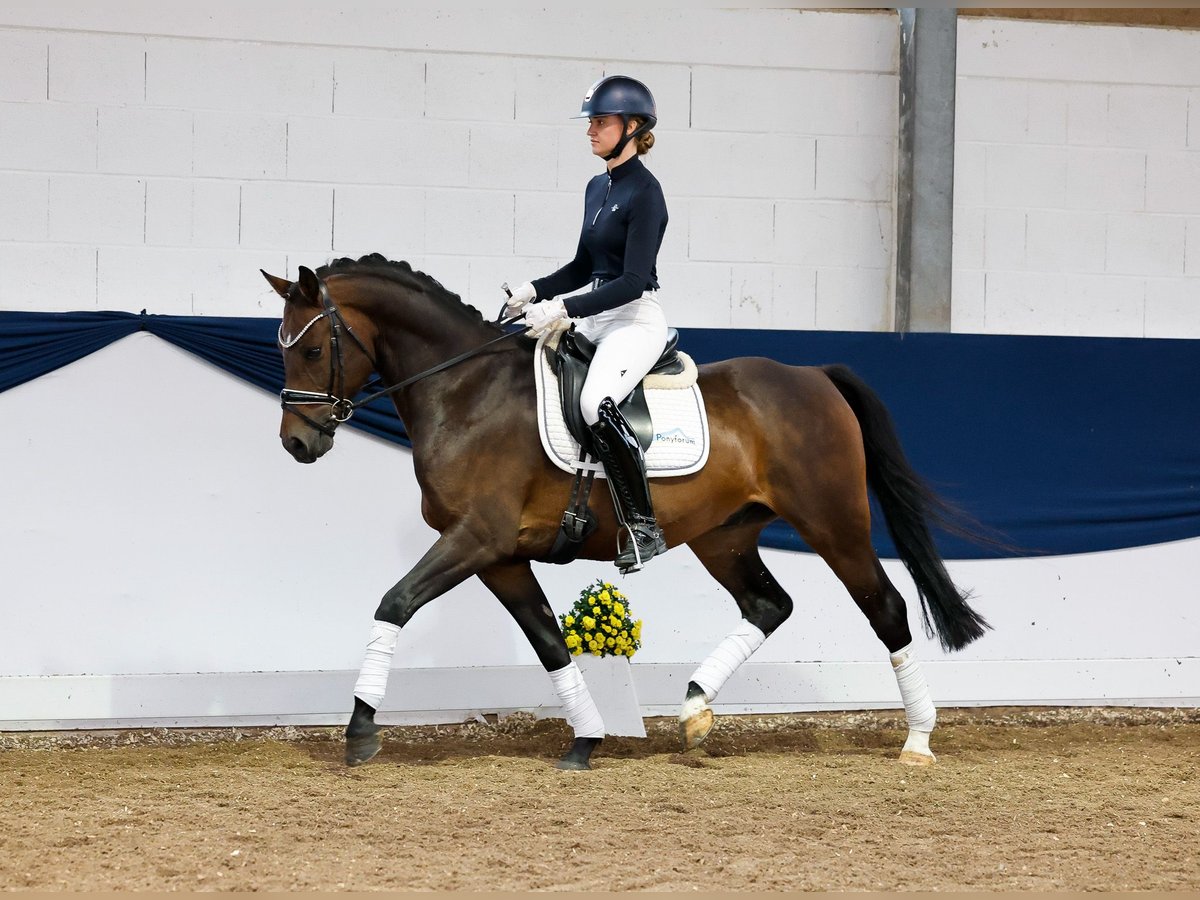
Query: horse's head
[{"x": 326, "y": 361}]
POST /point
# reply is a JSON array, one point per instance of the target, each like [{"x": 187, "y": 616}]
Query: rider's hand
[
  {"x": 519, "y": 299},
  {"x": 539, "y": 317}
]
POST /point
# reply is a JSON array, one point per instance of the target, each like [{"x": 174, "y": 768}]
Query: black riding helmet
[{"x": 620, "y": 95}]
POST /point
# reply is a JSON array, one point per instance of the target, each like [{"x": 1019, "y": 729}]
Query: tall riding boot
[{"x": 619, "y": 450}]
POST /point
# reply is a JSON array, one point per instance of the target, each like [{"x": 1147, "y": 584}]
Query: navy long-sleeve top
[{"x": 625, "y": 217}]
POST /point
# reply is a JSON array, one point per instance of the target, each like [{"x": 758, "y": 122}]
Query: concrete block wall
[
  {"x": 154, "y": 158},
  {"x": 1077, "y": 180}
]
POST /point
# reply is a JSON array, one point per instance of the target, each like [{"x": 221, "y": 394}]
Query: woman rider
[{"x": 625, "y": 217}]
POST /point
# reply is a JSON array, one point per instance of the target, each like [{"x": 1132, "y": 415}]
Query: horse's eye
[{"x": 312, "y": 353}]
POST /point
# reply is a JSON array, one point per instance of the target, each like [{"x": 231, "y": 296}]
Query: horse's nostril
[{"x": 296, "y": 447}]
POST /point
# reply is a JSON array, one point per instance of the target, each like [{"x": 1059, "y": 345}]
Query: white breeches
[{"x": 629, "y": 340}]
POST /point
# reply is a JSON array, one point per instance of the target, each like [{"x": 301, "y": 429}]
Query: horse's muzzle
[{"x": 306, "y": 447}]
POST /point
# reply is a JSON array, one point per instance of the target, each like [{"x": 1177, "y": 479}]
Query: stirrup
[{"x": 645, "y": 542}]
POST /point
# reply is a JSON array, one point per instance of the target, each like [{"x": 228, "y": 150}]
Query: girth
[{"x": 570, "y": 361}]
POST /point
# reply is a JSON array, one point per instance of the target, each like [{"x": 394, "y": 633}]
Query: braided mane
[{"x": 401, "y": 273}]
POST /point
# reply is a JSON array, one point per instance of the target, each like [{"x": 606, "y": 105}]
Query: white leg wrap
[
  {"x": 914, "y": 692},
  {"x": 372, "y": 679},
  {"x": 578, "y": 706},
  {"x": 724, "y": 661}
]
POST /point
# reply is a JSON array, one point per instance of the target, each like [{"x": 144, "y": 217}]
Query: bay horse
[{"x": 797, "y": 443}]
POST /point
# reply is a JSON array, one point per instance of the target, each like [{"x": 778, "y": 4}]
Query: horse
[{"x": 802, "y": 444}]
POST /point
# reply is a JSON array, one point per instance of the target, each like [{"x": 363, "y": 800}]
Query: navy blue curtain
[{"x": 1062, "y": 445}]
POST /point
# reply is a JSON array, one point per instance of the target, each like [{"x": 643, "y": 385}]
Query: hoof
[
  {"x": 361, "y": 749},
  {"x": 912, "y": 758},
  {"x": 576, "y": 759},
  {"x": 694, "y": 729}
]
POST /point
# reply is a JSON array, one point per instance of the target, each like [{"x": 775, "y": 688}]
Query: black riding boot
[{"x": 619, "y": 450}]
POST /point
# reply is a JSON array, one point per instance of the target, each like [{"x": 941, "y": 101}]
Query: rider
[{"x": 625, "y": 217}]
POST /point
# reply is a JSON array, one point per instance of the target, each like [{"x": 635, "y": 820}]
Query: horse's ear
[
  {"x": 281, "y": 285},
  {"x": 309, "y": 285}
]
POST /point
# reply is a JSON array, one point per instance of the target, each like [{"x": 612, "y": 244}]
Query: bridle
[{"x": 342, "y": 407}]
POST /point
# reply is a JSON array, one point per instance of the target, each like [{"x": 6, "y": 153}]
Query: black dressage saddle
[{"x": 570, "y": 361}]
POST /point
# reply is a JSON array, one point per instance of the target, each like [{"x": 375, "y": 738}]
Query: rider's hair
[{"x": 645, "y": 140}]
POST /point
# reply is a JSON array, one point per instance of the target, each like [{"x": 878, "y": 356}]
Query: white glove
[
  {"x": 520, "y": 298},
  {"x": 539, "y": 317}
]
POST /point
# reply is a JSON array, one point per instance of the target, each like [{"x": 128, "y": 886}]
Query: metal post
[{"x": 925, "y": 177}]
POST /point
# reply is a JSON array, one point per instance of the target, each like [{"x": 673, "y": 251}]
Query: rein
[{"x": 341, "y": 407}]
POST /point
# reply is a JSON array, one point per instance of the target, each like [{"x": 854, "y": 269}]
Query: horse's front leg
[
  {"x": 453, "y": 558},
  {"x": 518, "y": 590}
]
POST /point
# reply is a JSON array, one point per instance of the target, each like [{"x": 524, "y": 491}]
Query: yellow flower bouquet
[{"x": 600, "y": 623}]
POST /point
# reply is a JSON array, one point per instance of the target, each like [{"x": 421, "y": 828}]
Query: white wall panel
[
  {"x": 1144, "y": 244},
  {"x": 844, "y": 295},
  {"x": 23, "y": 65},
  {"x": 547, "y": 224},
  {"x": 354, "y": 151},
  {"x": 1147, "y": 117},
  {"x": 730, "y": 230},
  {"x": 521, "y": 157},
  {"x": 1173, "y": 182},
  {"x": 752, "y": 302},
  {"x": 1020, "y": 175},
  {"x": 1104, "y": 306},
  {"x": 855, "y": 168},
  {"x": 802, "y": 101},
  {"x": 473, "y": 88},
  {"x": 1048, "y": 117},
  {"x": 267, "y": 78},
  {"x": 1006, "y": 231},
  {"x": 1056, "y": 51},
  {"x": 286, "y": 216},
  {"x": 97, "y": 209},
  {"x": 1087, "y": 114},
  {"x": 45, "y": 137},
  {"x": 240, "y": 145},
  {"x": 87, "y": 68},
  {"x": 834, "y": 234},
  {"x": 373, "y": 219},
  {"x": 191, "y": 281},
  {"x": 1191, "y": 249},
  {"x": 794, "y": 302},
  {"x": 382, "y": 84},
  {"x": 1062, "y": 240},
  {"x": 697, "y": 294},
  {"x": 992, "y": 110},
  {"x": 24, "y": 200},
  {"x": 469, "y": 222},
  {"x": 1172, "y": 308},
  {"x": 48, "y": 277},
  {"x": 140, "y": 141},
  {"x": 1100, "y": 180}
]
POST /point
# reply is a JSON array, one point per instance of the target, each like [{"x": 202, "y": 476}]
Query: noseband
[{"x": 341, "y": 407}]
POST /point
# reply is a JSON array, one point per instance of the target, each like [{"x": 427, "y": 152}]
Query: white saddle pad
[{"x": 680, "y": 445}]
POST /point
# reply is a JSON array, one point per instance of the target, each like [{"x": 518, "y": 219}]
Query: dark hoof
[
  {"x": 363, "y": 748},
  {"x": 576, "y": 759}
]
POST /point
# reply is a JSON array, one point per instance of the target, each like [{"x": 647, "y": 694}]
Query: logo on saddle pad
[{"x": 674, "y": 436}]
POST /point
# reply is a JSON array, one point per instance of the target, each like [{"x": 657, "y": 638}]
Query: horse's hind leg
[
  {"x": 518, "y": 590},
  {"x": 730, "y": 554},
  {"x": 845, "y": 544}
]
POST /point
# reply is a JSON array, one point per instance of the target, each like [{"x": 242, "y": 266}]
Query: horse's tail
[{"x": 908, "y": 505}]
